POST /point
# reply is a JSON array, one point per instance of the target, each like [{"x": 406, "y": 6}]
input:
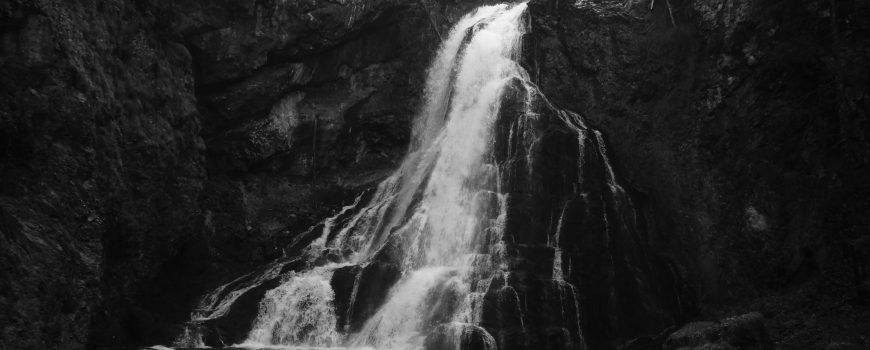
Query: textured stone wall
[
  {"x": 101, "y": 165},
  {"x": 742, "y": 125}
]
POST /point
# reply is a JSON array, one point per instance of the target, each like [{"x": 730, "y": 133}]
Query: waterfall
[
  {"x": 444, "y": 201},
  {"x": 439, "y": 220}
]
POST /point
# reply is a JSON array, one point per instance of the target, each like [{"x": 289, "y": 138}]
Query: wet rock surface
[
  {"x": 740, "y": 127},
  {"x": 360, "y": 291},
  {"x": 459, "y": 336},
  {"x": 583, "y": 272}
]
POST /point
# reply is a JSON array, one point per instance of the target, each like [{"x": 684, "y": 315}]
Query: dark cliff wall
[
  {"x": 743, "y": 126},
  {"x": 101, "y": 165}
]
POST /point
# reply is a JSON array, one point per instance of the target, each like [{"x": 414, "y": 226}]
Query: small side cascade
[
  {"x": 218, "y": 302},
  {"x": 352, "y": 301}
]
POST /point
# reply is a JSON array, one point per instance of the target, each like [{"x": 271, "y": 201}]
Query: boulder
[
  {"x": 739, "y": 332},
  {"x": 459, "y": 336}
]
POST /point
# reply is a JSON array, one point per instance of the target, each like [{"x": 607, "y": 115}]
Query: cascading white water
[
  {"x": 442, "y": 208},
  {"x": 452, "y": 211},
  {"x": 452, "y": 138},
  {"x": 298, "y": 312}
]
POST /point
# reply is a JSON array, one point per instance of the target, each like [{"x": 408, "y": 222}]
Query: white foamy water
[
  {"x": 441, "y": 211},
  {"x": 298, "y": 312},
  {"x": 464, "y": 94}
]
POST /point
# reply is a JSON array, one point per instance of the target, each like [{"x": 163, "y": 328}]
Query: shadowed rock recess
[{"x": 667, "y": 174}]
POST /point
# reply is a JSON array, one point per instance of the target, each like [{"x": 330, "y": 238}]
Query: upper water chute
[{"x": 451, "y": 136}]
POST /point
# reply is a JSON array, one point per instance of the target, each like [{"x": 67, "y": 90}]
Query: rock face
[
  {"x": 101, "y": 166},
  {"x": 581, "y": 260},
  {"x": 741, "y": 125}
]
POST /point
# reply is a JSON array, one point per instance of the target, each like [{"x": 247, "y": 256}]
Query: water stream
[{"x": 440, "y": 218}]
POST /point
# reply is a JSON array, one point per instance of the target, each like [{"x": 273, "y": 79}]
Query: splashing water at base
[{"x": 299, "y": 312}]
